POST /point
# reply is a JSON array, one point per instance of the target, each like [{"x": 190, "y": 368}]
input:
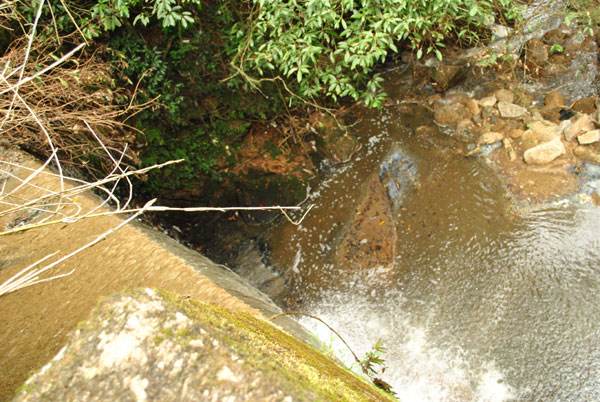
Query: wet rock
[
  {"x": 249, "y": 265},
  {"x": 536, "y": 51},
  {"x": 490, "y": 137},
  {"x": 512, "y": 156},
  {"x": 368, "y": 249},
  {"x": 489, "y": 101},
  {"x": 554, "y": 99},
  {"x": 589, "y": 138},
  {"x": 544, "y": 130},
  {"x": 587, "y": 154},
  {"x": 445, "y": 77},
  {"x": 552, "y": 113},
  {"x": 450, "y": 115},
  {"x": 398, "y": 173},
  {"x": 583, "y": 124},
  {"x": 504, "y": 95},
  {"x": 473, "y": 107},
  {"x": 147, "y": 345},
  {"x": 333, "y": 141},
  {"x": 558, "y": 65},
  {"x": 511, "y": 111},
  {"x": 585, "y": 105},
  {"x": 523, "y": 97},
  {"x": 460, "y": 97},
  {"x": 515, "y": 133},
  {"x": 545, "y": 152}
]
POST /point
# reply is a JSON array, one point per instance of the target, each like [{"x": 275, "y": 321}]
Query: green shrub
[{"x": 330, "y": 47}]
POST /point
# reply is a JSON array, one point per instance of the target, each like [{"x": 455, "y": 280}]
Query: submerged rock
[
  {"x": 399, "y": 175},
  {"x": 587, "y": 154},
  {"x": 545, "y": 152},
  {"x": 490, "y": 137},
  {"x": 449, "y": 115},
  {"x": 445, "y": 77},
  {"x": 554, "y": 99},
  {"x": 368, "y": 249},
  {"x": 334, "y": 142}
]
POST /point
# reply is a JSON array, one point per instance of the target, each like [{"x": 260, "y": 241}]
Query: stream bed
[{"x": 484, "y": 302}]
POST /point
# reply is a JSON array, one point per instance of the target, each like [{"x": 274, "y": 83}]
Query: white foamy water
[{"x": 417, "y": 368}]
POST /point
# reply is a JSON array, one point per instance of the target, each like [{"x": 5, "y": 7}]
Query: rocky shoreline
[{"x": 539, "y": 152}]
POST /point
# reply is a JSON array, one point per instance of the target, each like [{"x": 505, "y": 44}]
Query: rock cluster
[{"x": 549, "y": 139}]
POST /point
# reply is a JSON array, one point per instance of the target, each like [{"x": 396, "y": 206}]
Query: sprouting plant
[
  {"x": 556, "y": 49},
  {"x": 373, "y": 358},
  {"x": 367, "y": 365}
]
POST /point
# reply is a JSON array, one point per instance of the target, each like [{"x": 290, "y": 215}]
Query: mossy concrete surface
[
  {"x": 36, "y": 322},
  {"x": 152, "y": 345}
]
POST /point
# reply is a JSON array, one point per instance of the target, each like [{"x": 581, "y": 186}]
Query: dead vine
[{"x": 64, "y": 95}]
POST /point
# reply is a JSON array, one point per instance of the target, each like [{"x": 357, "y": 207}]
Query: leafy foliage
[
  {"x": 330, "y": 47},
  {"x": 200, "y": 62},
  {"x": 586, "y": 13},
  {"x": 168, "y": 13}
]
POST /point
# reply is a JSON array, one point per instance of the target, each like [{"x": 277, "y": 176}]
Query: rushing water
[{"x": 485, "y": 304}]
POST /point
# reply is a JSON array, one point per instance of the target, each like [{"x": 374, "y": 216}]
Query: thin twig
[
  {"x": 27, "y": 52},
  {"x": 6, "y": 288},
  {"x": 328, "y": 326},
  {"x": 73, "y": 21},
  {"x": 43, "y": 71}
]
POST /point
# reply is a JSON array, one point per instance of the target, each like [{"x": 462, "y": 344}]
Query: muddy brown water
[{"x": 485, "y": 303}]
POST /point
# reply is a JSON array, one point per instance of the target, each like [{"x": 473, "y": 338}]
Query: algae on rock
[{"x": 154, "y": 345}]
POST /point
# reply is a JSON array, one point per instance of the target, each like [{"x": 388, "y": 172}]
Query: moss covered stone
[{"x": 153, "y": 345}]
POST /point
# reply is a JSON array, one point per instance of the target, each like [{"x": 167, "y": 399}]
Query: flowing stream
[{"x": 484, "y": 303}]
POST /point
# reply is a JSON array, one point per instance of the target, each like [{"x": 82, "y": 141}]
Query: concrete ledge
[{"x": 38, "y": 321}]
